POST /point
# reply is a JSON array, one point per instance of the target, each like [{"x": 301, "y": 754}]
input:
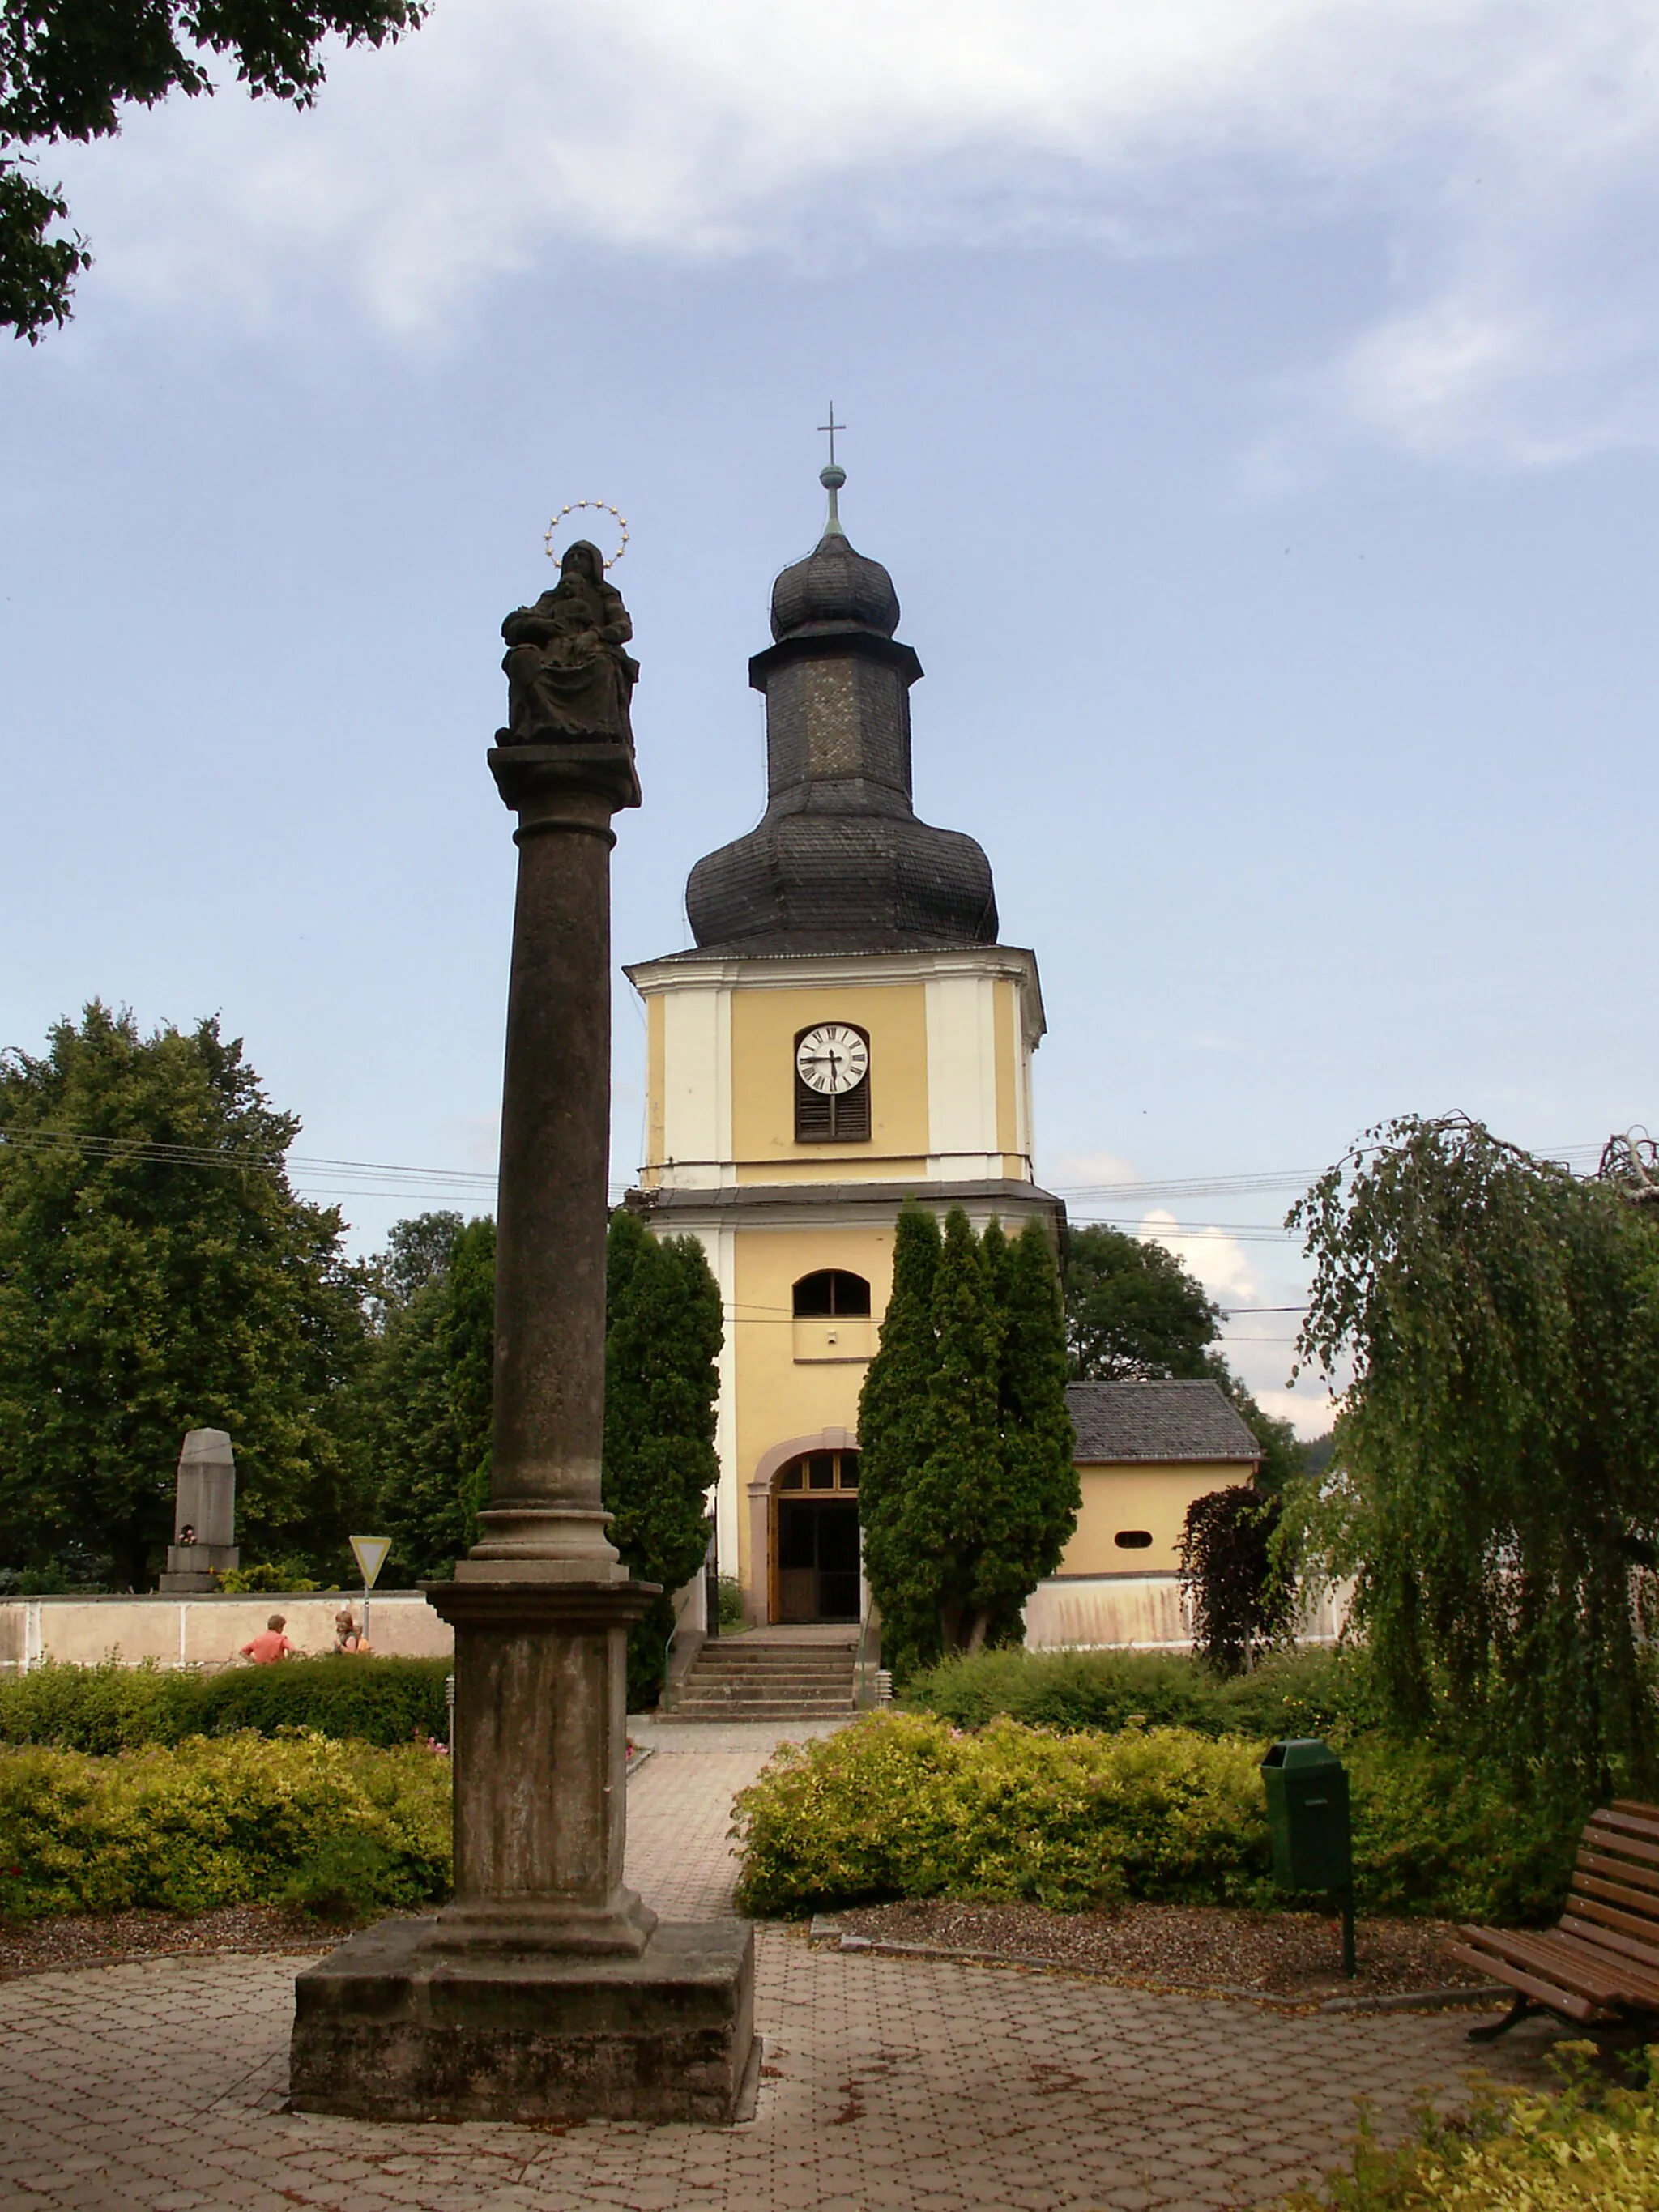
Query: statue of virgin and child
[{"x": 568, "y": 681}]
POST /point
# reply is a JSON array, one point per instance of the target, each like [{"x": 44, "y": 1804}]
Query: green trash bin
[{"x": 1307, "y": 1787}]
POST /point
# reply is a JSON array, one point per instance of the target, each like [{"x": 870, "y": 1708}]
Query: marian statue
[{"x": 568, "y": 680}]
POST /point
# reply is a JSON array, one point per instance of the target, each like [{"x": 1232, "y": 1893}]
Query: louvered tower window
[{"x": 832, "y": 1116}]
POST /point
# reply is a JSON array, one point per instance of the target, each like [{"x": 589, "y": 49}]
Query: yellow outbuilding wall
[{"x": 1149, "y": 1496}]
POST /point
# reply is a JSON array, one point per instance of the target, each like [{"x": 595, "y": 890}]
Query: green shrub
[
  {"x": 1587, "y": 2147},
  {"x": 380, "y": 1701},
  {"x": 101, "y": 1709},
  {"x": 730, "y": 1613},
  {"x": 236, "y": 1821},
  {"x": 901, "y": 1804},
  {"x": 286, "y": 1577},
  {"x": 111, "y": 1708},
  {"x": 1310, "y": 1693}
]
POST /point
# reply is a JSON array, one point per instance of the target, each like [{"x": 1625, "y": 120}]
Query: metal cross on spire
[{"x": 833, "y": 477}]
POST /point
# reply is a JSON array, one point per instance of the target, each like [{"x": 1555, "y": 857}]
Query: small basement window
[{"x": 1133, "y": 1540}]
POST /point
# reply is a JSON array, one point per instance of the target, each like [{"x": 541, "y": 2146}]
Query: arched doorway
[{"x": 815, "y": 1538}]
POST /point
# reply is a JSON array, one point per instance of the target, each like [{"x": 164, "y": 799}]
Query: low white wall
[
  {"x": 206, "y": 1632},
  {"x": 1140, "y": 1612}
]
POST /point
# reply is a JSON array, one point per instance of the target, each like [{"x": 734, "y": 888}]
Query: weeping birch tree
[{"x": 1496, "y": 1319}]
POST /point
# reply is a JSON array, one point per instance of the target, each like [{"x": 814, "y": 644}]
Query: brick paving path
[{"x": 890, "y": 2085}]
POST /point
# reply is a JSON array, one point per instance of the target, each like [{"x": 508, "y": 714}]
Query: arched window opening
[{"x": 829, "y": 1292}]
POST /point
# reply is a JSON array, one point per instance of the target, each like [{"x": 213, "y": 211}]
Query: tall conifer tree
[
  {"x": 662, "y": 1346},
  {"x": 968, "y": 1489},
  {"x": 893, "y": 1425},
  {"x": 1038, "y": 1494}
]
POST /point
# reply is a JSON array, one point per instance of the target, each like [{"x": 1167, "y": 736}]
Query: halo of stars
[{"x": 599, "y": 507}]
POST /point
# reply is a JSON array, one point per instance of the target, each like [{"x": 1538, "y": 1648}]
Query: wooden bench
[{"x": 1602, "y": 1958}]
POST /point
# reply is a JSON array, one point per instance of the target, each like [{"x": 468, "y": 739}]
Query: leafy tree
[
  {"x": 967, "y": 1486},
  {"x": 68, "y": 67},
  {"x": 1282, "y": 1454},
  {"x": 157, "y": 1273},
  {"x": 1498, "y": 1498},
  {"x": 1132, "y": 1311},
  {"x": 1237, "y": 1595},
  {"x": 432, "y": 1396},
  {"x": 417, "y": 1251},
  {"x": 1135, "y": 1314},
  {"x": 663, "y": 1338}
]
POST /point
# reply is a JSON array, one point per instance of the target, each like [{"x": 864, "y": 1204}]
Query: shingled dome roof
[
  {"x": 834, "y": 588},
  {"x": 839, "y": 862}
]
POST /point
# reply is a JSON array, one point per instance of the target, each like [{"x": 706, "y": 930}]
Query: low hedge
[
  {"x": 239, "y": 1820},
  {"x": 1589, "y": 2146},
  {"x": 1318, "y": 1692},
  {"x": 902, "y": 1805},
  {"x": 111, "y": 1708}
]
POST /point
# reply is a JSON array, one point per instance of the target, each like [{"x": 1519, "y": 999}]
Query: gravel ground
[
  {"x": 69, "y": 1940},
  {"x": 1292, "y": 1954}
]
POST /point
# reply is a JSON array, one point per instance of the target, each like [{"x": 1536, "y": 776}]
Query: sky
[{"x": 1258, "y": 412}]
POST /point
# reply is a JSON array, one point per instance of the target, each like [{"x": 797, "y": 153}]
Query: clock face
[{"x": 832, "y": 1058}]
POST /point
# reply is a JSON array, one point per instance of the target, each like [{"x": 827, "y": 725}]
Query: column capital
[{"x": 556, "y": 785}]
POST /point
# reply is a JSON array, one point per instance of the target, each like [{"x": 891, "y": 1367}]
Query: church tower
[{"x": 847, "y": 1035}]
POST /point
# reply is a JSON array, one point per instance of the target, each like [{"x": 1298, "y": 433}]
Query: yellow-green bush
[
  {"x": 1586, "y": 2147},
  {"x": 903, "y": 1805},
  {"x": 227, "y": 1820}
]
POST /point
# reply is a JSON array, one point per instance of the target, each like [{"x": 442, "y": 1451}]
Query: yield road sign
[{"x": 370, "y": 1551}]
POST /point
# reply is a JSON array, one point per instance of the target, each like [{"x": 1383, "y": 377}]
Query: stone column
[
  {"x": 541, "y": 1606},
  {"x": 544, "y": 1521},
  {"x": 545, "y": 1989}
]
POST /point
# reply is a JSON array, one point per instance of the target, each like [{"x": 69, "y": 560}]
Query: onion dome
[
  {"x": 834, "y": 588},
  {"x": 840, "y": 862}
]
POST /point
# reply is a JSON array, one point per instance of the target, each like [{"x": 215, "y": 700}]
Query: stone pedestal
[
  {"x": 390, "y": 2027},
  {"x": 545, "y": 1989}
]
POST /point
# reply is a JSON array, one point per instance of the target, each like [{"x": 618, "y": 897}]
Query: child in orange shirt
[{"x": 269, "y": 1643}]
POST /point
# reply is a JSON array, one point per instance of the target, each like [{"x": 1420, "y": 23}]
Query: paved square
[{"x": 890, "y": 2085}]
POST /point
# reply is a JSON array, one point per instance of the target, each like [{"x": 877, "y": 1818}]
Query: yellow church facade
[{"x": 949, "y": 1035}]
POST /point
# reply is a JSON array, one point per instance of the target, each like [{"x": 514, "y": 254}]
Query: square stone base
[{"x": 383, "y": 2030}]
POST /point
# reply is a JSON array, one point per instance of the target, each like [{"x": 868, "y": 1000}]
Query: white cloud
[
  {"x": 1509, "y": 149},
  {"x": 1219, "y": 1261}
]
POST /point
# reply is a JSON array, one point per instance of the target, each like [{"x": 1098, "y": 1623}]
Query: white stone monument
[{"x": 203, "y": 1514}]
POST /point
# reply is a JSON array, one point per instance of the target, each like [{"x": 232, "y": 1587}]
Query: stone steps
[{"x": 737, "y": 1680}]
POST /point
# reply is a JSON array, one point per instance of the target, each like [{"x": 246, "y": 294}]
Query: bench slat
[
  {"x": 1640, "y": 1902},
  {"x": 1551, "y": 1955},
  {"x": 1635, "y": 1805},
  {"x": 1623, "y": 1981},
  {"x": 1607, "y": 1823},
  {"x": 1612, "y": 1869},
  {"x": 1643, "y": 1959},
  {"x": 1626, "y": 1846},
  {"x": 1629, "y": 1924},
  {"x": 1544, "y": 1993}
]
